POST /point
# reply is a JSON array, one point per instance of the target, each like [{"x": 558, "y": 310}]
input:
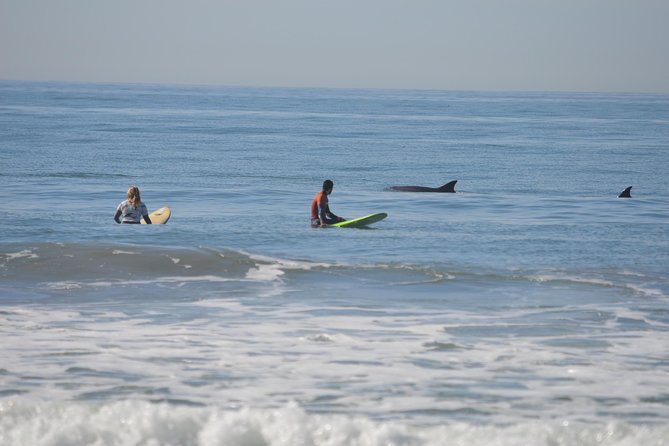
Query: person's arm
[
  {"x": 145, "y": 214},
  {"x": 324, "y": 208},
  {"x": 333, "y": 216},
  {"x": 117, "y": 216}
]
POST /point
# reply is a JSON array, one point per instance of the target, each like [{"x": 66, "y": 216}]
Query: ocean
[{"x": 531, "y": 307}]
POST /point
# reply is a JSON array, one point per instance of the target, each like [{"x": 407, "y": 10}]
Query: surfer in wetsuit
[
  {"x": 321, "y": 215},
  {"x": 131, "y": 210}
]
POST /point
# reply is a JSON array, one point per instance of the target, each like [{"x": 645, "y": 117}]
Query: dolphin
[
  {"x": 626, "y": 193},
  {"x": 448, "y": 187}
]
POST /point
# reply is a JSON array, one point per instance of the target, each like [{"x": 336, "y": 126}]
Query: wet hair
[
  {"x": 327, "y": 185},
  {"x": 133, "y": 196}
]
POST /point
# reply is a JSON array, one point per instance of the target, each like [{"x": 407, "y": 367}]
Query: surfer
[
  {"x": 321, "y": 215},
  {"x": 131, "y": 210}
]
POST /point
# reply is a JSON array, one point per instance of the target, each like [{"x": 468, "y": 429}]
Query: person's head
[
  {"x": 133, "y": 196},
  {"x": 327, "y": 186}
]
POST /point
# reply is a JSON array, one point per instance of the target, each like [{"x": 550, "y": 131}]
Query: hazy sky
[{"x": 547, "y": 45}]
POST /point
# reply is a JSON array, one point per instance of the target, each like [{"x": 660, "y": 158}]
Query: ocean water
[{"x": 530, "y": 307}]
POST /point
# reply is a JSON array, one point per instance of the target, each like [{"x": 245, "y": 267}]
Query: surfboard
[
  {"x": 362, "y": 221},
  {"x": 159, "y": 216}
]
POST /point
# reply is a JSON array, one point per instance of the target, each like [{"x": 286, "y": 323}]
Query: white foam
[
  {"x": 321, "y": 337},
  {"x": 287, "y": 264},
  {"x": 265, "y": 273},
  {"x": 64, "y": 285},
  {"x": 645, "y": 291},
  {"x": 543, "y": 278},
  {"x": 177, "y": 261},
  {"x": 135, "y": 422},
  {"x": 68, "y": 285},
  {"x": 26, "y": 253},
  {"x": 120, "y": 252},
  {"x": 631, "y": 273},
  {"x": 374, "y": 363}
]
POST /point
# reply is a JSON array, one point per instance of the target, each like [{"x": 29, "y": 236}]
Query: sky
[{"x": 491, "y": 45}]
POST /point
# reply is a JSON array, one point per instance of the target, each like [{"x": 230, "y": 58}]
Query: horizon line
[{"x": 317, "y": 87}]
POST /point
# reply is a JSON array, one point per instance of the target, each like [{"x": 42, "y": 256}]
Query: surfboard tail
[{"x": 448, "y": 187}]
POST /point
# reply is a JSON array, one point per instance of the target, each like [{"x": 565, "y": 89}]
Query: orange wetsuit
[{"x": 320, "y": 210}]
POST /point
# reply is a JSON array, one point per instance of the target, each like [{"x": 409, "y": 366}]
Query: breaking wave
[
  {"x": 69, "y": 267},
  {"x": 134, "y": 422}
]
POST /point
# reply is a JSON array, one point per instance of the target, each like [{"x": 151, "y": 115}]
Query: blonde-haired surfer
[{"x": 131, "y": 210}]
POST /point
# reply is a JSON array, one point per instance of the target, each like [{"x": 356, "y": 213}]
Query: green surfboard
[{"x": 362, "y": 221}]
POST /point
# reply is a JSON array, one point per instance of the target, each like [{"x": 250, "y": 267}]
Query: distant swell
[{"x": 81, "y": 175}]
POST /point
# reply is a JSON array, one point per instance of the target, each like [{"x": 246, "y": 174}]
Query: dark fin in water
[
  {"x": 626, "y": 193},
  {"x": 448, "y": 187}
]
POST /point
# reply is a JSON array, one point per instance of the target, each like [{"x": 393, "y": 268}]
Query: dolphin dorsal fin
[
  {"x": 626, "y": 193},
  {"x": 448, "y": 187}
]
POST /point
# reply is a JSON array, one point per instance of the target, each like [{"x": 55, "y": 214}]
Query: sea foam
[{"x": 136, "y": 422}]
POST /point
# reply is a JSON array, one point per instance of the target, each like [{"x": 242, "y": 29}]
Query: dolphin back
[{"x": 448, "y": 187}]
